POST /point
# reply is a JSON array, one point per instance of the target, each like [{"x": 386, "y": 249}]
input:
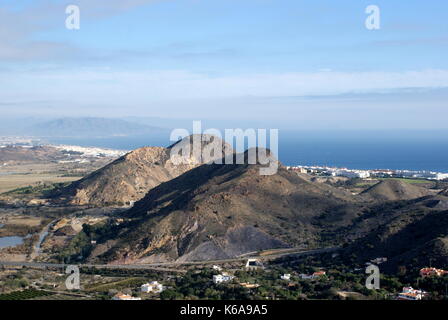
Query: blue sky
[{"x": 306, "y": 64}]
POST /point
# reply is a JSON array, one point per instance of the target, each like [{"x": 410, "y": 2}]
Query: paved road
[
  {"x": 97, "y": 266},
  {"x": 164, "y": 266},
  {"x": 281, "y": 252}
]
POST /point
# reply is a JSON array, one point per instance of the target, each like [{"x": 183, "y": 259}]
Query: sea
[{"x": 392, "y": 149}]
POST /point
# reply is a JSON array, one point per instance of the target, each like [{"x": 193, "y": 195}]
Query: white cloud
[
  {"x": 94, "y": 91},
  {"x": 107, "y": 92}
]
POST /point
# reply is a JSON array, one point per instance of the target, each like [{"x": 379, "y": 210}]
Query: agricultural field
[
  {"x": 14, "y": 181},
  {"x": 14, "y": 176},
  {"x": 26, "y": 294}
]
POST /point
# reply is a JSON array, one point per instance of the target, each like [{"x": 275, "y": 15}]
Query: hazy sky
[{"x": 308, "y": 64}]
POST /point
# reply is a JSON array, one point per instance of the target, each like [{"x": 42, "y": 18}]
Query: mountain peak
[{"x": 130, "y": 177}]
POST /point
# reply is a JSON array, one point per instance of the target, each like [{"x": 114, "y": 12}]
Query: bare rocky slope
[
  {"x": 389, "y": 190},
  {"x": 130, "y": 177},
  {"x": 413, "y": 232},
  {"x": 222, "y": 211}
]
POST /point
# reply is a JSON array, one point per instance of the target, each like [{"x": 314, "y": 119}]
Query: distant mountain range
[
  {"x": 91, "y": 127},
  {"x": 83, "y": 127}
]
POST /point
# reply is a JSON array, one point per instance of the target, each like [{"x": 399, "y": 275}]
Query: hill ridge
[
  {"x": 392, "y": 189},
  {"x": 223, "y": 210},
  {"x": 130, "y": 177}
]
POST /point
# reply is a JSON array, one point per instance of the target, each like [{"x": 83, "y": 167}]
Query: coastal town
[
  {"x": 372, "y": 173},
  {"x": 73, "y": 153}
]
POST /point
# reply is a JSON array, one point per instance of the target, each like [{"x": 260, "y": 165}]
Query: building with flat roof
[
  {"x": 220, "y": 278},
  {"x": 153, "y": 286}
]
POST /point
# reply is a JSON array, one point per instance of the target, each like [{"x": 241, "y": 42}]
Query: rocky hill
[
  {"x": 407, "y": 233},
  {"x": 221, "y": 211},
  {"x": 388, "y": 190},
  {"x": 130, "y": 177}
]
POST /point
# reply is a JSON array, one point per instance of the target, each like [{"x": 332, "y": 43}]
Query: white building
[
  {"x": 441, "y": 176},
  {"x": 153, "y": 286},
  {"x": 351, "y": 173},
  {"x": 253, "y": 264},
  {"x": 91, "y": 151},
  {"x": 286, "y": 276},
  {"x": 220, "y": 278},
  {"x": 217, "y": 268}
]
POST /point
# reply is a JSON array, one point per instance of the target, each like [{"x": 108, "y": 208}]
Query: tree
[{"x": 170, "y": 294}]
